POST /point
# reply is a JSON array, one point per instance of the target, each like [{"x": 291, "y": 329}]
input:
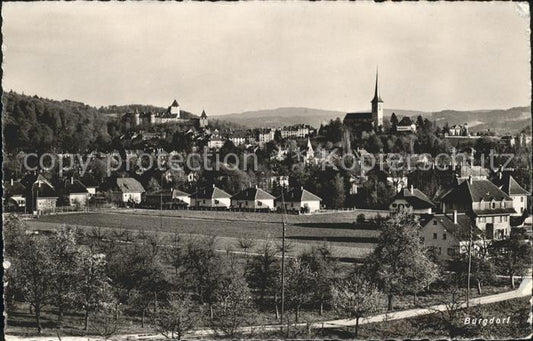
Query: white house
[
  {"x": 253, "y": 199},
  {"x": 77, "y": 193},
  {"x": 215, "y": 142},
  {"x": 181, "y": 196},
  {"x": 517, "y": 193},
  {"x": 210, "y": 197},
  {"x": 128, "y": 190},
  {"x": 298, "y": 199},
  {"x": 15, "y": 194},
  {"x": 448, "y": 235}
]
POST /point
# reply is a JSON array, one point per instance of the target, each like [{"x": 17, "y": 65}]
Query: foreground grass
[{"x": 342, "y": 234}]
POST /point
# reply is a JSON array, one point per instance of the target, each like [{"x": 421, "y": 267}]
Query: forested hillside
[{"x": 40, "y": 124}]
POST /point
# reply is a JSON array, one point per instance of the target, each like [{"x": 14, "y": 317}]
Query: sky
[{"x": 233, "y": 57}]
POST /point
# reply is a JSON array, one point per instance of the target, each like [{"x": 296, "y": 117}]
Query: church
[{"x": 367, "y": 120}]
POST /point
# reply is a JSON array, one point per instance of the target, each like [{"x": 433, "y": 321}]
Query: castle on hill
[{"x": 173, "y": 115}]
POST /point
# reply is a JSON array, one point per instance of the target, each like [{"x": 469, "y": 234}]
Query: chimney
[
  {"x": 455, "y": 216},
  {"x": 412, "y": 189},
  {"x": 71, "y": 180},
  {"x": 11, "y": 181},
  {"x": 213, "y": 185},
  {"x": 470, "y": 180}
]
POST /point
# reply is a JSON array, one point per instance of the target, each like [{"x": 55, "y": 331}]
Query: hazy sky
[{"x": 231, "y": 57}]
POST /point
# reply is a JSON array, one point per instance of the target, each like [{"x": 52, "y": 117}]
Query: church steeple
[
  {"x": 377, "y": 105},
  {"x": 377, "y": 97}
]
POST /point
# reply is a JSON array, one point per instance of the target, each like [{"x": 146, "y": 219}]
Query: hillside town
[{"x": 281, "y": 170}]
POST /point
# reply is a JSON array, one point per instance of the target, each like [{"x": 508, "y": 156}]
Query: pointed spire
[{"x": 377, "y": 97}]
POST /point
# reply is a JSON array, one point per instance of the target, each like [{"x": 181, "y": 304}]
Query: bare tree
[{"x": 177, "y": 317}]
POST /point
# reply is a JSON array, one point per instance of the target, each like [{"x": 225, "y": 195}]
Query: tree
[
  {"x": 33, "y": 274},
  {"x": 246, "y": 242},
  {"x": 177, "y": 317},
  {"x": 234, "y": 303},
  {"x": 64, "y": 256},
  {"x": 393, "y": 121},
  {"x": 94, "y": 285},
  {"x": 299, "y": 285},
  {"x": 263, "y": 270},
  {"x": 399, "y": 263},
  {"x": 513, "y": 255},
  {"x": 355, "y": 298},
  {"x": 482, "y": 267},
  {"x": 106, "y": 320}
]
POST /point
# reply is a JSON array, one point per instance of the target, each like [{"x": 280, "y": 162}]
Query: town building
[
  {"x": 42, "y": 196},
  {"x": 298, "y": 200},
  {"x": 127, "y": 190},
  {"x": 265, "y": 136},
  {"x": 253, "y": 198},
  {"x": 517, "y": 193},
  {"x": 458, "y": 130},
  {"x": 406, "y": 124},
  {"x": 172, "y": 115},
  {"x": 298, "y": 131},
  {"x": 487, "y": 205},
  {"x": 166, "y": 199},
  {"x": 215, "y": 142},
  {"x": 211, "y": 198},
  {"x": 15, "y": 196},
  {"x": 76, "y": 192},
  {"x": 203, "y": 120},
  {"x": 412, "y": 201},
  {"x": 448, "y": 235},
  {"x": 368, "y": 120}
]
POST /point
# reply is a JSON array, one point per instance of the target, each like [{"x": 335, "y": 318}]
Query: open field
[{"x": 337, "y": 229}]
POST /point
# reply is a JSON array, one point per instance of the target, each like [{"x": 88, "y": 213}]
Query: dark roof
[
  {"x": 252, "y": 193},
  {"x": 461, "y": 230},
  {"x": 358, "y": 116},
  {"x": 175, "y": 104},
  {"x": 129, "y": 185},
  {"x": 210, "y": 193},
  {"x": 498, "y": 210},
  {"x": 89, "y": 181},
  {"x": 299, "y": 194},
  {"x": 405, "y": 121},
  {"x": 417, "y": 199},
  {"x": 178, "y": 193},
  {"x": 43, "y": 189},
  {"x": 75, "y": 187},
  {"x": 163, "y": 192},
  {"x": 475, "y": 191},
  {"x": 203, "y": 114},
  {"x": 510, "y": 186},
  {"x": 16, "y": 189}
]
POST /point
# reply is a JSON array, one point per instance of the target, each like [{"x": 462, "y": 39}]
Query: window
[
  {"x": 450, "y": 251},
  {"x": 444, "y": 236},
  {"x": 440, "y": 251},
  {"x": 501, "y": 218},
  {"x": 521, "y": 199},
  {"x": 217, "y": 202},
  {"x": 434, "y": 222},
  {"x": 434, "y": 236},
  {"x": 259, "y": 203},
  {"x": 493, "y": 205}
]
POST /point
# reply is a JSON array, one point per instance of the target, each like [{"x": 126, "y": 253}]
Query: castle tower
[
  {"x": 175, "y": 108},
  {"x": 377, "y": 106},
  {"x": 203, "y": 120}
]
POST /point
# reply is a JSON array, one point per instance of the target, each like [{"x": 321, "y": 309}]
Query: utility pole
[
  {"x": 469, "y": 268},
  {"x": 282, "y": 259}
]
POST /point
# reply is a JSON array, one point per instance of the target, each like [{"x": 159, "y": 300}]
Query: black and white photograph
[{"x": 266, "y": 170}]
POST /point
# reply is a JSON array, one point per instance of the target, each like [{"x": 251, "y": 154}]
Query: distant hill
[{"x": 502, "y": 120}]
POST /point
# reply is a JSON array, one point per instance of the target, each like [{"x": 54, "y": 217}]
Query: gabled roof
[
  {"x": 405, "y": 121},
  {"x": 299, "y": 194},
  {"x": 252, "y": 193},
  {"x": 210, "y": 193},
  {"x": 129, "y": 185},
  {"x": 163, "y": 192},
  {"x": 16, "y": 189},
  {"x": 510, "y": 186},
  {"x": 178, "y": 193},
  {"x": 43, "y": 189},
  {"x": 416, "y": 198},
  {"x": 358, "y": 116},
  {"x": 175, "y": 104},
  {"x": 475, "y": 191},
  {"x": 461, "y": 230},
  {"x": 75, "y": 187},
  {"x": 203, "y": 114}
]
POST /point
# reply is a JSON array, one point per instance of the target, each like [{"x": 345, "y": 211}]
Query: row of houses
[
  {"x": 479, "y": 208},
  {"x": 41, "y": 197}
]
